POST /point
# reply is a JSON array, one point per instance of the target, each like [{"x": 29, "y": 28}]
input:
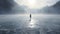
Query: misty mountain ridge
[
  {"x": 10, "y": 7},
  {"x": 55, "y": 9}
]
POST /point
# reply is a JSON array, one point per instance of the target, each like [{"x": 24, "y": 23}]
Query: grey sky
[
  {"x": 19, "y": 8},
  {"x": 35, "y": 4}
]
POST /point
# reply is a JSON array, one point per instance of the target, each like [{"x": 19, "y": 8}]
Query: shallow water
[{"x": 39, "y": 24}]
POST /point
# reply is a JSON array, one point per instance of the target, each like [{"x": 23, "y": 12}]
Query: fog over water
[{"x": 15, "y": 17}]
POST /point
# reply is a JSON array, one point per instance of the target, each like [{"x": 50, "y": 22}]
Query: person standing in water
[{"x": 30, "y": 17}]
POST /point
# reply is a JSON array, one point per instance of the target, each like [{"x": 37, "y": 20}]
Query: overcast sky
[
  {"x": 21, "y": 6},
  {"x": 33, "y": 4}
]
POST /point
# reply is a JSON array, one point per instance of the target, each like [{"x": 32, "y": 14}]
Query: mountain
[
  {"x": 55, "y": 9},
  {"x": 57, "y": 5},
  {"x": 10, "y": 7}
]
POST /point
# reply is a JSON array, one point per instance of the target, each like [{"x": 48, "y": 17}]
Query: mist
[{"x": 16, "y": 18}]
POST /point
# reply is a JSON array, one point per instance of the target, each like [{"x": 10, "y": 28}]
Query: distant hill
[
  {"x": 57, "y": 5},
  {"x": 55, "y": 9},
  {"x": 10, "y": 7}
]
